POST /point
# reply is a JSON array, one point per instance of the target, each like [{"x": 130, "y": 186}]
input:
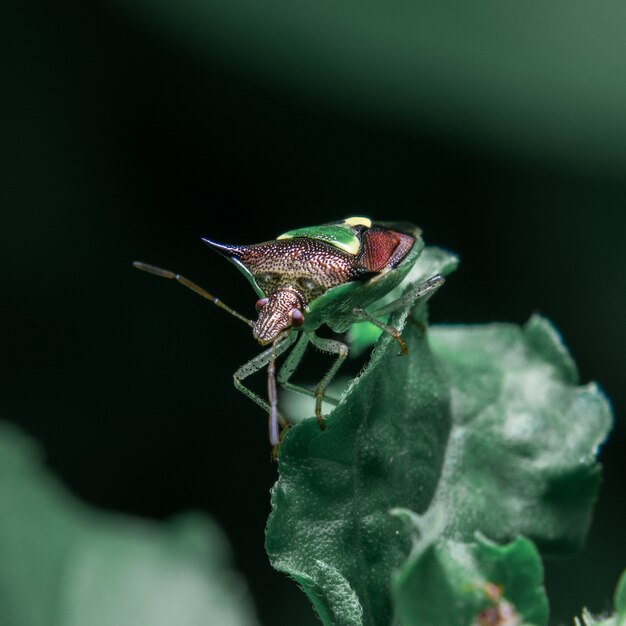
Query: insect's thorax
[{"x": 305, "y": 266}]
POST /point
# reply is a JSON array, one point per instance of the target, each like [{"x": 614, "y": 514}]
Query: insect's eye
[
  {"x": 260, "y": 303},
  {"x": 297, "y": 319}
]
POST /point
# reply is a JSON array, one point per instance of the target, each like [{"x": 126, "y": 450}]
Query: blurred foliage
[
  {"x": 64, "y": 564},
  {"x": 483, "y": 423},
  {"x": 478, "y": 583}
]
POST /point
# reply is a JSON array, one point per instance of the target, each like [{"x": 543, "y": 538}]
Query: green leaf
[
  {"x": 521, "y": 457},
  {"x": 482, "y": 422},
  {"x": 64, "y": 564},
  {"x": 383, "y": 448},
  {"x": 448, "y": 583}
]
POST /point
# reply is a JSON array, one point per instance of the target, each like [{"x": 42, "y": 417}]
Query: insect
[{"x": 333, "y": 275}]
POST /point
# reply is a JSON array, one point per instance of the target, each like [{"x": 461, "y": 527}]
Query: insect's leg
[
  {"x": 272, "y": 396},
  {"x": 334, "y": 347},
  {"x": 254, "y": 365},
  {"x": 157, "y": 271},
  {"x": 289, "y": 367},
  {"x": 420, "y": 294},
  {"x": 394, "y": 332}
]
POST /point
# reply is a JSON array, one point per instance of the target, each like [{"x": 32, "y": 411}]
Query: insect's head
[{"x": 277, "y": 313}]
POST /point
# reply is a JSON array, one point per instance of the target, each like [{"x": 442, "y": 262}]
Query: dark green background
[{"x": 128, "y": 132}]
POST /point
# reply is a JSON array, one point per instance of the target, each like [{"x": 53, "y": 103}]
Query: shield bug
[{"x": 335, "y": 275}]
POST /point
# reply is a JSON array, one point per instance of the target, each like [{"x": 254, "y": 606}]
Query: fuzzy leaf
[
  {"x": 448, "y": 583},
  {"x": 522, "y": 455},
  {"x": 64, "y": 564},
  {"x": 484, "y": 423},
  {"x": 330, "y": 506}
]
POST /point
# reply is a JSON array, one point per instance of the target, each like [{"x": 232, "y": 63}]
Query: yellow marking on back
[{"x": 358, "y": 221}]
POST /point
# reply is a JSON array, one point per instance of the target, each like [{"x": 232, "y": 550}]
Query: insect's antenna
[
  {"x": 157, "y": 271},
  {"x": 272, "y": 396}
]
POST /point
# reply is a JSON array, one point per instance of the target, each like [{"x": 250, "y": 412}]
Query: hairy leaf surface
[
  {"x": 383, "y": 448},
  {"x": 485, "y": 423},
  {"x": 522, "y": 454}
]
